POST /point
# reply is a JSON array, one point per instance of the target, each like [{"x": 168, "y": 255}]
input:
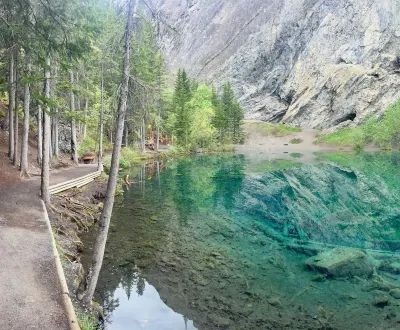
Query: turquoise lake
[{"x": 220, "y": 242}]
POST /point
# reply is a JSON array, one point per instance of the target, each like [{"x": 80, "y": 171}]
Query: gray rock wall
[{"x": 307, "y": 62}]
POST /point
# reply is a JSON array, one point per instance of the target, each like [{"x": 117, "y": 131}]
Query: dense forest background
[{"x": 76, "y": 48}]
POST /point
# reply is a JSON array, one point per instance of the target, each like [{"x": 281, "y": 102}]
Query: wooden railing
[{"x": 75, "y": 183}]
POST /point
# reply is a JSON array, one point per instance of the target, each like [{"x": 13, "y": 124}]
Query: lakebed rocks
[
  {"x": 395, "y": 293},
  {"x": 312, "y": 63},
  {"x": 342, "y": 263}
]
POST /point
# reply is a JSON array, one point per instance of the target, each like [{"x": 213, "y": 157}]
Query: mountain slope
[{"x": 307, "y": 62}]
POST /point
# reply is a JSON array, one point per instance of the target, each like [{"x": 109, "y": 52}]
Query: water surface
[{"x": 220, "y": 242}]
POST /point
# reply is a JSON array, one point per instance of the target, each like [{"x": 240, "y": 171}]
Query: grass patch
[
  {"x": 277, "y": 130},
  {"x": 296, "y": 141},
  {"x": 382, "y": 132},
  {"x": 129, "y": 158},
  {"x": 87, "y": 322}
]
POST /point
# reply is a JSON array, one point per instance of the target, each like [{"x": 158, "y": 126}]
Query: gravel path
[{"x": 30, "y": 293}]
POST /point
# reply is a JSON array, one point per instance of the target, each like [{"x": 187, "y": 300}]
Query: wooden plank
[
  {"x": 84, "y": 183},
  {"x": 95, "y": 174},
  {"x": 75, "y": 183}
]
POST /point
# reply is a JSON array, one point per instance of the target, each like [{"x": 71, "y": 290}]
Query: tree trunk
[
  {"x": 15, "y": 157},
  {"x": 74, "y": 146},
  {"x": 100, "y": 157},
  {"x": 126, "y": 142},
  {"x": 143, "y": 137},
  {"x": 104, "y": 222},
  {"x": 46, "y": 139},
  {"x": 40, "y": 135},
  {"x": 56, "y": 150},
  {"x": 25, "y": 134},
  {"x": 85, "y": 112},
  {"x": 158, "y": 127},
  {"x": 11, "y": 100}
]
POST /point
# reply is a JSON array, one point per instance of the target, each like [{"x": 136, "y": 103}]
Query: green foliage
[
  {"x": 198, "y": 118},
  {"x": 129, "y": 158},
  {"x": 88, "y": 145},
  {"x": 87, "y": 322},
  {"x": 201, "y": 113},
  {"x": 229, "y": 119},
  {"x": 268, "y": 129},
  {"x": 384, "y": 132},
  {"x": 181, "y": 97},
  {"x": 296, "y": 141}
]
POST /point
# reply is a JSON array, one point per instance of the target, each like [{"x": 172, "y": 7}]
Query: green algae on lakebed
[{"x": 225, "y": 244}]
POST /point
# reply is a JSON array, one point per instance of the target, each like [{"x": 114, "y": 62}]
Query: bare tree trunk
[
  {"x": 158, "y": 128},
  {"x": 56, "y": 150},
  {"x": 25, "y": 135},
  {"x": 51, "y": 137},
  {"x": 85, "y": 112},
  {"x": 40, "y": 134},
  {"x": 126, "y": 142},
  {"x": 100, "y": 157},
  {"x": 45, "y": 182},
  {"x": 11, "y": 97},
  {"x": 74, "y": 146},
  {"x": 143, "y": 137},
  {"x": 78, "y": 107},
  {"x": 15, "y": 157},
  {"x": 104, "y": 222}
]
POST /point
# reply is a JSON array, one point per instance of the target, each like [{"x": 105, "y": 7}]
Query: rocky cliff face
[{"x": 312, "y": 63}]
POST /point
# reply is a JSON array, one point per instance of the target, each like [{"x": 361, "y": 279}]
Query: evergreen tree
[
  {"x": 182, "y": 95},
  {"x": 231, "y": 115}
]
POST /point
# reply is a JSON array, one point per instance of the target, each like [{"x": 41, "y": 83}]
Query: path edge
[{"x": 71, "y": 316}]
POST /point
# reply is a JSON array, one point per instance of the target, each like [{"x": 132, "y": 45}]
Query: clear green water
[{"x": 220, "y": 242}]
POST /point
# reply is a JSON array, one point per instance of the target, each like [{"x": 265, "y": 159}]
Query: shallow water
[{"x": 220, "y": 242}]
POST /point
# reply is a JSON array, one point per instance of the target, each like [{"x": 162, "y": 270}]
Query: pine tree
[
  {"x": 182, "y": 95},
  {"x": 230, "y": 116}
]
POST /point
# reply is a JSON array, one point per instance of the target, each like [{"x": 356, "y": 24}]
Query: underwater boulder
[{"x": 342, "y": 263}]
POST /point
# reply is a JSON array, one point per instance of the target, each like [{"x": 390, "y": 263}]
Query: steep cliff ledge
[{"x": 307, "y": 62}]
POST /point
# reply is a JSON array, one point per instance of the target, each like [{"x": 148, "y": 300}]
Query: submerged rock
[
  {"x": 274, "y": 302},
  {"x": 342, "y": 263},
  {"x": 395, "y": 293},
  {"x": 393, "y": 268},
  {"x": 382, "y": 301}
]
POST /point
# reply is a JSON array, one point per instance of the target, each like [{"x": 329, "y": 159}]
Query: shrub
[
  {"x": 88, "y": 145},
  {"x": 296, "y": 141},
  {"x": 382, "y": 132}
]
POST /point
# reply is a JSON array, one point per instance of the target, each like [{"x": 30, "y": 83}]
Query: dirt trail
[{"x": 29, "y": 285}]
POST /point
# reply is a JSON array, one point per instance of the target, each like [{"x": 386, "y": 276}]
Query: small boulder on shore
[{"x": 342, "y": 263}]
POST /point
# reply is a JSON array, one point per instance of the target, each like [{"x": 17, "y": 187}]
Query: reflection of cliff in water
[
  {"x": 213, "y": 241},
  {"x": 325, "y": 203}
]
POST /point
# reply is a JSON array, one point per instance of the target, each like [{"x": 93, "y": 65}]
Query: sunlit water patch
[{"x": 227, "y": 243}]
